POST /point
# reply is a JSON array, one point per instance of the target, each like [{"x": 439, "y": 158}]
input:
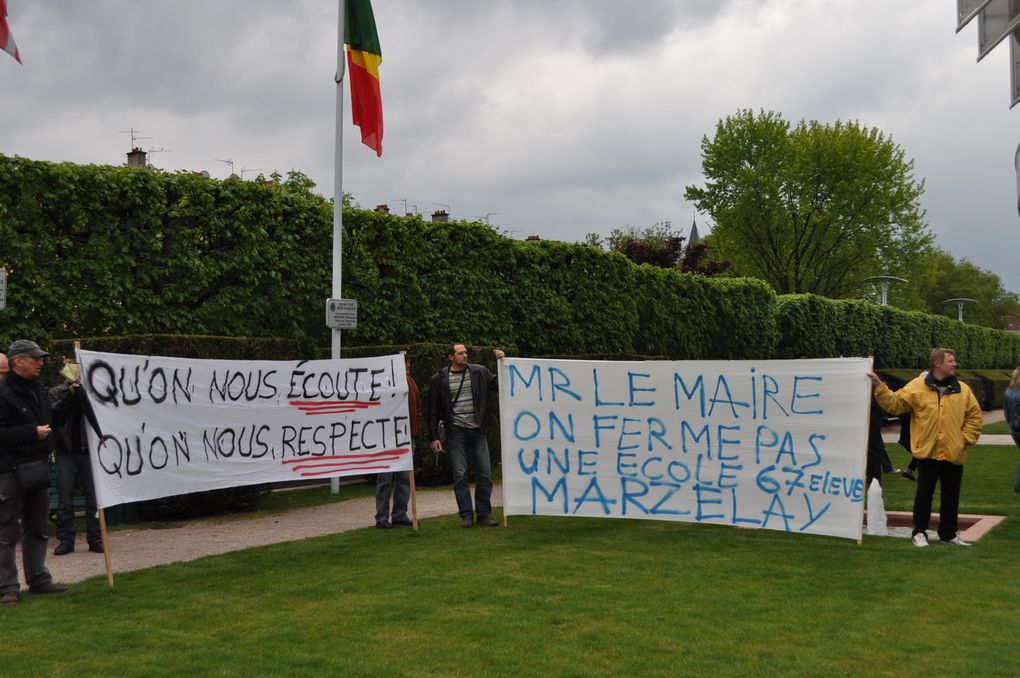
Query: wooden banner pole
[
  {"x": 106, "y": 548},
  {"x": 414, "y": 500}
]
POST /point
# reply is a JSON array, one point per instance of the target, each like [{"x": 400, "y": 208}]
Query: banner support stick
[
  {"x": 106, "y": 548},
  {"x": 414, "y": 500}
]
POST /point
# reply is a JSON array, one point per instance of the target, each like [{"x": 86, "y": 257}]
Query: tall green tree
[
  {"x": 956, "y": 278},
  {"x": 812, "y": 207}
]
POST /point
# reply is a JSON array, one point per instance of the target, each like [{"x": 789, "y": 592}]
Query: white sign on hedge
[
  {"x": 175, "y": 425},
  {"x": 761, "y": 444}
]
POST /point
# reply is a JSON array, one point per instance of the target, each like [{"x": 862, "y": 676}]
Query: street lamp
[
  {"x": 960, "y": 301},
  {"x": 883, "y": 282}
]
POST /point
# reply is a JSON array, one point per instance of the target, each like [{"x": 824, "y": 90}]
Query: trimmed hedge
[
  {"x": 828, "y": 328},
  {"x": 112, "y": 251}
]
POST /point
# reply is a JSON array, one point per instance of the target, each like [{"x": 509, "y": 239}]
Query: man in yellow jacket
[{"x": 945, "y": 420}]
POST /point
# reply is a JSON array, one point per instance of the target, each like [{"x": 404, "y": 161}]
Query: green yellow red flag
[{"x": 364, "y": 55}]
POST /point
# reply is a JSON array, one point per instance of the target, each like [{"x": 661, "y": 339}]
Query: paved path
[{"x": 136, "y": 549}]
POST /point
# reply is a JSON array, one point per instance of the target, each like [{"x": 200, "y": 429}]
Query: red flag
[{"x": 7, "y": 43}]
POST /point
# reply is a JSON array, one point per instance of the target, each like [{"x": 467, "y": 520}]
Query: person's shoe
[
  {"x": 894, "y": 471},
  {"x": 63, "y": 548},
  {"x": 487, "y": 521},
  {"x": 920, "y": 539},
  {"x": 908, "y": 474},
  {"x": 467, "y": 521},
  {"x": 49, "y": 588},
  {"x": 402, "y": 522},
  {"x": 10, "y": 598},
  {"x": 956, "y": 541},
  {"x": 96, "y": 547},
  {"x": 383, "y": 525}
]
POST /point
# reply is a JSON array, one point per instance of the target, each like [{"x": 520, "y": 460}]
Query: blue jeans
[
  {"x": 71, "y": 467},
  {"x": 470, "y": 445},
  {"x": 1016, "y": 481}
]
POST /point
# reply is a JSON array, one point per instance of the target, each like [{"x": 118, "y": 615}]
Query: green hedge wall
[
  {"x": 112, "y": 251},
  {"x": 95, "y": 250},
  {"x": 828, "y": 328}
]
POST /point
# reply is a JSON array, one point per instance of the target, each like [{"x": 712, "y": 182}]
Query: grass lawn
[
  {"x": 559, "y": 597},
  {"x": 996, "y": 428}
]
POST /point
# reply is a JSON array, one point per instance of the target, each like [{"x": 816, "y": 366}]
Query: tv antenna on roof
[
  {"x": 243, "y": 170},
  {"x": 155, "y": 150},
  {"x": 134, "y": 136},
  {"x": 230, "y": 163}
]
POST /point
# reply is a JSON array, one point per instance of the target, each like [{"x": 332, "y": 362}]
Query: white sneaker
[
  {"x": 956, "y": 541},
  {"x": 920, "y": 539}
]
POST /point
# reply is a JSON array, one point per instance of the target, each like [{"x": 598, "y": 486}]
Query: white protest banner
[
  {"x": 177, "y": 425},
  {"x": 762, "y": 444}
]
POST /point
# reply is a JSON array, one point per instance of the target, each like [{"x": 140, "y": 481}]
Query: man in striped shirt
[{"x": 459, "y": 403}]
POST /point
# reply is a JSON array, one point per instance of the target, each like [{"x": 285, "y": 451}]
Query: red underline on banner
[
  {"x": 367, "y": 456},
  {"x": 363, "y": 468},
  {"x": 332, "y": 406},
  {"x": 340, "y": 464}
]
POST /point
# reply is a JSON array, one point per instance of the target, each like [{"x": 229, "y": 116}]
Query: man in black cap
[{"x": 25, "y": 418}]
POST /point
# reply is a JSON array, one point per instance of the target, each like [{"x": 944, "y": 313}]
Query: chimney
[
  {"x": 440, "y": 217},
  {"x": 384, "y": 208},
  {"x": 533, "y": 237},
  {"x": 136, "y": 158}
]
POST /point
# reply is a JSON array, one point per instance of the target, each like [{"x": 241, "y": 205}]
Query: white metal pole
[{"x": 338, "y": 191}]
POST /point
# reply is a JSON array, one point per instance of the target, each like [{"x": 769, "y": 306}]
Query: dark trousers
[
  {"x": 75, "y": 467},
  {"x": 949, "y": 476},
  {"x": 396, "y": 485},
  {"x": 23, "y": 514}
]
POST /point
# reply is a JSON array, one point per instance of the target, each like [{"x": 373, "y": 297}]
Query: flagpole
[{"x": 338, "y": 192}]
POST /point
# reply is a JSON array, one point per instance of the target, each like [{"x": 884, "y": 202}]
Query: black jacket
[
  {"x": 24, "y": 405},
  {"x": 483, "y": 383},
  {"x": 70, "y": 435}
]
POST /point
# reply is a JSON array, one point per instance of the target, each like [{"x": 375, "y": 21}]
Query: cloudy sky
[{"x": 553, "y": 117}]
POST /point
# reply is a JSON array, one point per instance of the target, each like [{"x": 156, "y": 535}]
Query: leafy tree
[
  {"x": 955, "y": 278},
  {"x": 810, "y": 208}
]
